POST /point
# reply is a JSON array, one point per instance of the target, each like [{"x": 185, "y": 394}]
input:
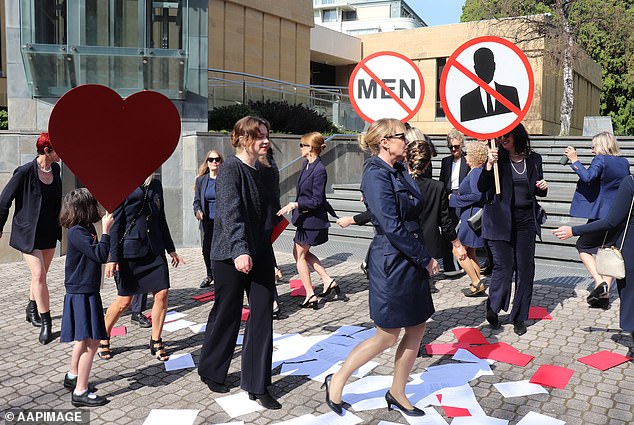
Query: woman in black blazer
[
  {"x": 205, "y": 207},
  {"x": 510, "y": 222},
  {"x": 310, "y": 217},
  {"x": 139, "y": 239},
  {"x": 243, "y": 262},
  {"x": 36, "y": 188}
]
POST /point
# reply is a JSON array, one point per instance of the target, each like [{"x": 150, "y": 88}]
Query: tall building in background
[{"x": 356, "y": 17}]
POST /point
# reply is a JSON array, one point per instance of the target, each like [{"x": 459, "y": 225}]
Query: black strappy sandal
[
  {"x": 158, "y": 350},
  {"x": 475, "y": 290},
  {"x": 103, "y": 352}
]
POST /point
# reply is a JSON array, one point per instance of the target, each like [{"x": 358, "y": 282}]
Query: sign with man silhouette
[
  {"x": 386, "y": 85},
  {"x": 486, "y": 87}
]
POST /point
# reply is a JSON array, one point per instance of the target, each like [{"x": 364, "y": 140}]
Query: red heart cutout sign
[{"x": 112, "y": 144}]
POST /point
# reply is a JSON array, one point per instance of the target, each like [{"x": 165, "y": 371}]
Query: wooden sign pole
[{"x": 496, "y": 171}]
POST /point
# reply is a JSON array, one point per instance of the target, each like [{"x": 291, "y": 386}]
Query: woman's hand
[
  {"x": 541, "y": 184},
  {"x": 199, "y": 215},
  {"x": 492, "y": 158},
  {"x": 176, "y": 260},
  {"x": 571, "y": 153},
  {"x": 563, "y": 232},
  {"x": 432, "y": 267},
  {"x": 346, "y": 221},
  {"x": 460, "y": 251},
  {"x": 288, "y": 208},
  {"x": 106, "y": 222},
  {"x": 111, "y": 268},
  {"x": 244, "y": 263}
]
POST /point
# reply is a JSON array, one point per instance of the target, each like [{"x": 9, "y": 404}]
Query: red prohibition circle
[
  {"x": 362, "y": 66},
  {"x": 451, "y": 62}
]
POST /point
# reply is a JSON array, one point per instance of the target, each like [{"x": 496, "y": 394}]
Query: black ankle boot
[
  {"x": 31, "y": 314},
  {"x": 46, "y": 333}
]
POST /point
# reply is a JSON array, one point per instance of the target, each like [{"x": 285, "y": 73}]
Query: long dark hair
[{"x": 79, "y": 207}]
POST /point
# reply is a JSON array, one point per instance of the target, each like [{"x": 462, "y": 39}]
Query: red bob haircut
[{"x": 43, "y": 142}]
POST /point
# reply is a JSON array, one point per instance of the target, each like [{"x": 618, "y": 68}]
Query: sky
[{"x": 438, "y": 12}]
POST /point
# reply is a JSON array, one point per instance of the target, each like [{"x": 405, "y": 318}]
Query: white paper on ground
[
  {"x": 349, "y": 330},
  {"x": 177, "y": 325},
  {"x": 467, "y": 356},
  {"x": 462, "y": 396},
  {"x": 240, "y": 339},
  {"x": 478, "y": 420},
  {"x": 367, "y": 393},
  {"x": 534, "y": 418},
  {"x": 238, "y": 404},
  {"x": 331, "y": 418},
  {"x": 519, "y": 388},
  {"x": 179, "y": 361},
  {"x": 388, "y": 423},
  {"x": 198, "y": 328},
  {"x": 307, "y": 419},
  {"x": 173, "y": 315},
  {"x": 432, "y": 417},
  {"x": 171, "y": 417},
  {"x": 363, "y": 335}
]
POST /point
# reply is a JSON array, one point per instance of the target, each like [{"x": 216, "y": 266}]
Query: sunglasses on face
[
  {"x": 454, "y": 147},
  {"x": 214, "y": 159},
  {"x": 396, "y": 136}
]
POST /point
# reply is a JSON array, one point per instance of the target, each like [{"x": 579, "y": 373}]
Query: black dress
[{"x": 48, "y": 222}]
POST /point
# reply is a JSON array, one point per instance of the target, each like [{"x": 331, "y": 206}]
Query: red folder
[{"x": 278, "y": 229}]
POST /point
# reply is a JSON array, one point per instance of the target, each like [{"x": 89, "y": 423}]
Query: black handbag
[{"x": 475, "y": 221}]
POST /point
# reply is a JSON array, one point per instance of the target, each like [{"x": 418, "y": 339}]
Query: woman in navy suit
[
  {"x": 310, "y": 217},
  {"x": 139, "y": 239},
  {"x": 399, "y": 266},
  {"x": 618, "y": 217},
  {"x": 36, "y": 188},
  {"x": 593, "y": 200},
  {"x": 510, "y": 222},
  {"x": 205, "y": 207}
]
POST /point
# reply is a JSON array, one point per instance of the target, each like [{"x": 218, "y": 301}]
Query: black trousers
[
  {"x": 514, "y": 256},
  {"x": 139, "y": 303},
  {"x": 448, "y": 261},
  {"x": 224, "y": 323},
  {"x": 208, "y": 234}
]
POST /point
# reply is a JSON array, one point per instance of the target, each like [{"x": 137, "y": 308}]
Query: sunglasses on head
[{"x": 214, "y": 159}]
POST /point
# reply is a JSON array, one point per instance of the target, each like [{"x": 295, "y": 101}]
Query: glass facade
[{"x": 127, "y": 45}]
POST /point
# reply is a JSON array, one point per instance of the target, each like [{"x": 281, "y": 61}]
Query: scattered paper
[
  {"x": 467, "y": 356},
  {"x": 519, "y": 388},
  {"x": 238, "y": 404},
  {"x": 179, "y": 361},
  {"x": 444, "y": 349},
  {"x": 295, "y": 283},
  {"x": 331, "y": 418},
  {"x": 454, "y": 412},
  {"x": 479, "y": 420},
  {"x": 198, "y": 328},
  {"x": 552, "y": 376},
  {"x": 307, "y": 419},
  {"x": 501, "y": 352},
  {"x": 538, "y": 313},
  {"x": 534, "y": 418},
  {"x": 118, "y": 331},
  {"x": 604, "y": 360},
  {"x": 245, "y": 314},
  {"x": 432, "y": 417},
  {"x": 171, "y": 417},
  {"x": 173, "y": 316},
  {"x": 177, "y": 325},
  {"x": 470, "y": 336}
]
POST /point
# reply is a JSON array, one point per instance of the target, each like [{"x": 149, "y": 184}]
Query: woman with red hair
[{"x": 36, "y": 188}]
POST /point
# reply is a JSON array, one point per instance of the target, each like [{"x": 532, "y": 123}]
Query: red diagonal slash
[
  {"x": 504, "y": 101},
  {"x": 387, "y": 89}
]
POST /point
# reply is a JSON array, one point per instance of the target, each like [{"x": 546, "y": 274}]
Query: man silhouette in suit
[{"x": 478, "y": 103}]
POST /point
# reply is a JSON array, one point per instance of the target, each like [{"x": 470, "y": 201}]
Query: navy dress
[
  {"x": 83, "y": 316},
  {"x": 399, "y": 283},
  {"x": 470, "y": 200}
]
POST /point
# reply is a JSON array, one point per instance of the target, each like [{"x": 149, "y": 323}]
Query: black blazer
[
  {"x": 445, "y": 171},
  {"x": 497, "y": 220},
  {"x": 24, "y": 187},
  {"x": 140, "y": 226},
  {"x": 313, "y": 209},
  {"x": 471, "y": 106},
  {"x": 435, "y": 215}
]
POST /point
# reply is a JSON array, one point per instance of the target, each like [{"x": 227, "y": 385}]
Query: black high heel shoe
[
  {"x": 335, "y": 407},
  {"x": 599, "y": 296},
  {"x": 158, "y": 350},
  {"x": 310, "y": 303},
  {"x": 390, "y": 400},
  {"x": 332, "y": 286}
]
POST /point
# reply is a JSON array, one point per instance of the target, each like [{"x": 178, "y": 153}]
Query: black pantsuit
[
  {"x": 208, "y": 234},
  {"x": 224, "y": 323}
]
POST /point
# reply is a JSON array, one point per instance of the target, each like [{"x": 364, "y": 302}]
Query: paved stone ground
[{"x": 31, "y": 375}]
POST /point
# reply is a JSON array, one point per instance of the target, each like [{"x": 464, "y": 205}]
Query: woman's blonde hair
[
  {"x": 477, "y": 152},
  {"x": 204, "y": 167},
  {"x": 315, "y": 140},
  {"x": 379, "y": 129},
  {"x": 605, "y": 143},
  {"x": 455, "y": 135},
  {"x": 248, "y": 128}
]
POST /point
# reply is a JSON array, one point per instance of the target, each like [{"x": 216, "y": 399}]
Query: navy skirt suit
[
  {"x": 399, "y": 283},
  {"x": 510, "y": 226},
  {"x": 139, "y": 239},
  {"x": 617, "y": 218},
  {"x": 469, "y": 200}
]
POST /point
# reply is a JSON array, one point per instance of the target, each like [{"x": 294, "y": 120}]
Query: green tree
[{"x": 603, "y": 28}]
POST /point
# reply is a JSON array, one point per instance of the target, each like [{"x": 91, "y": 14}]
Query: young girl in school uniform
[{"x": 83, "y": 317}]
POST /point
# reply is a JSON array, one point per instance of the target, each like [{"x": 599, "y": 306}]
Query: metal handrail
[{"x": 293, "y": 161}]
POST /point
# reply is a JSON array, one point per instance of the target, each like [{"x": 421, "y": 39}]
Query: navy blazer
[
  {"x": 199, "y": 195},
  {"x": 597, "y": 185},
  {"x": 435, "y": 215},
  {"x": 140, "y": 226},
  {"x": 84, "y": 258},
  {"x": 497, "y": 219},
  {"x": 313, "y": 209},
  {"x": 445, "y": 171},
  {"x": 24, "y": 187}
]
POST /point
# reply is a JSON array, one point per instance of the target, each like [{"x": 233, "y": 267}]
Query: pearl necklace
[
  {"x": 46, "y": 171},
  {"x": 523, "y": 171}
]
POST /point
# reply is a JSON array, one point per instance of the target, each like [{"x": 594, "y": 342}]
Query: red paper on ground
[
  {"x": 454, "y": 412},
  {"x": 469, "y": 336},
  {"x": 207, "y": 296},
  {"x": 538, "y": 313},
  {"x": 118, "y": 331},
  {"x": 443, "y": 349},
  {"x": 245, "y": 314},
  {"x": 552, "y": 376},
  {"x": 604, "y": 360},
  {"x": 299, "y": 292},
  {"x": 278, "y": 229},
  {"x": 295, "y": 283},
  {"x": 501, "y": 352}
]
